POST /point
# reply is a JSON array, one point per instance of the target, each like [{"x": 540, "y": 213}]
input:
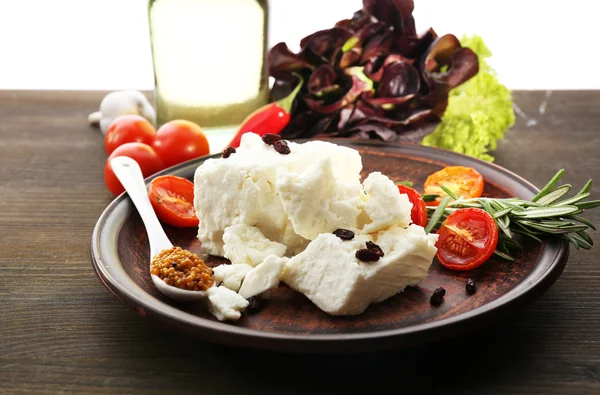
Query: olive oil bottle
[{"x": 209, "y": 60}]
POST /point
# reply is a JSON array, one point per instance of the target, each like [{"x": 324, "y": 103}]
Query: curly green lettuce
[{"x": 479, "y": 111}]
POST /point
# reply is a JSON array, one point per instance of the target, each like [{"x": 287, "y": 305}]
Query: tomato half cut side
[
  {"x": 418, "y": 214},
  {"x": 466, "y": 239},
  {"x": 464, "y": 181},
  {"x": 172, "y": 198}
]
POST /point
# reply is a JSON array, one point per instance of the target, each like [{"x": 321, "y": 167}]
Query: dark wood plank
[{"x": 61, "y": 332}]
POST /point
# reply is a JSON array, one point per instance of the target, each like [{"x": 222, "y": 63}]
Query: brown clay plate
[{"x": 290, "y": 322}]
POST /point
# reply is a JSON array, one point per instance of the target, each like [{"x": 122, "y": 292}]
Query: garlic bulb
[{"x": 119, "y": 103}]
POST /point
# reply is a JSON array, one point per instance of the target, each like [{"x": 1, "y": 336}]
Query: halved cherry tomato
[
  {"x": 418, "y": 214},
  {"x": 467, "y": 238},
  {"x": 172, "y": 198},
  {"x": 464, "y": 181}
]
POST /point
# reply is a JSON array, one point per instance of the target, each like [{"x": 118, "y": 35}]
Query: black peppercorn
[
  {"x": 271, "y": 139},
  {"x": 471, "y": 286},
  {"x": 437, "y": 297},
  {"x": 366, "y": 255},
  {"x": 375, "y": 248},
  {"x": 282, "y": 147},
  {"x": 255, "y": 304},
  {"x": 344, "y": 234},
  {"x": 227, "y": 152}
]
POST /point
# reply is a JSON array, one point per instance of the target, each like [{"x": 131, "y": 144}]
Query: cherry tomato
[
  {"x": 179, "y": 141},
  {"x": 463, "y": 181},
  {"x": 467, "y": 238},
  {"x": 418, "y": 214},
  {"x": 173, "y": 200},
  {"x": 143, "y": 154},
  {"x": 128, "y": 128}
]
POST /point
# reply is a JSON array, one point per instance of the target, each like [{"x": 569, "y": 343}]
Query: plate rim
[{"x": 297, "y": 342}]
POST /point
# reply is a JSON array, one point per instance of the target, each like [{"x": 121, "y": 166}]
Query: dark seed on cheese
[
  {"x": 375, "y": 248},
  {"x": 227, "y": 152},
  {"x": 344, "y": 234},
  {"x": 471, "y": 286},
  {"x": 366, "y": 255},
  {"x": 282, "y": 147},
  {"x": 437, "y": 297},
  {"x": 271, "y": 139}
]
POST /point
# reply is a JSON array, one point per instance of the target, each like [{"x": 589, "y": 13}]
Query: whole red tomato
[
  {"x": 143, "y": 154},
  {"x": 179, "y": 141},
  {"x": 128, "y": 128}
]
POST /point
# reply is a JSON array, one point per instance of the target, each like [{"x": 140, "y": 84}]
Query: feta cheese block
[
  {"x": 246, "y": 244},
  {"x": 385, "y": 205},
  {"x": 263, "y": 277},
  {"x": 243, "y": 189},
  {"x": 316, "y": 201},
  {"x": 331, "y": 276},
  {"x": 225, "y": 304},
  {"x": 231, "y": 276}
]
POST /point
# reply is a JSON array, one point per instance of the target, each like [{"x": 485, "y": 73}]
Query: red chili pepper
[{"x": 269, "y": 119}]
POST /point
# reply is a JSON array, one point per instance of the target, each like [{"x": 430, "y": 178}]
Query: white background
[{"x": 104, "y": 44}]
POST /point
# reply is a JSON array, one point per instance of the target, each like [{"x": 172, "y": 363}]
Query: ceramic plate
[{"x": 290, "y": 322}]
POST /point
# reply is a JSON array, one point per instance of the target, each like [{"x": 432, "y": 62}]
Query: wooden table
[{"x": 62, "y": 332}]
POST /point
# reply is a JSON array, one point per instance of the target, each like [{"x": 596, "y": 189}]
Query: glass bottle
[{"x": 209, "y": 59}]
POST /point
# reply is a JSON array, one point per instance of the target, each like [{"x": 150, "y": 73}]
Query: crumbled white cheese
[
  {"x": 242, "y": 189},
  {"x": 316, "y": 201},
  {"x": 263, "y": 277},
  {"x": 246, "y": 244},
  {"x": 231, "y": 275},
  {"x": 331, "y": 276},
  {"x": 225, "y": 304},
  {"x": 385, "y": 205}
]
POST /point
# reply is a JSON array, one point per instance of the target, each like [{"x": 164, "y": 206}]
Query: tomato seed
[
  {"x": 471, "y": 286},
  {"x": 282, "y": 147},
  {"x": 437, "y": 297},
  {"x": 271, "y": 139},
  {"x": 227, "y": 152},
  {"x": 344, "y": 234}
]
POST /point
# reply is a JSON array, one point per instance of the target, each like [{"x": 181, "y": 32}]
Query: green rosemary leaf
[
  {"x": 502, "y": 213},
  {"x": 485, "y": 204},
  {"x": 571, "y": 240},
  {"x": 527, "y": 234},
  {"x": 582, "y": 243},
  {"x": 581, "y": 220},
  {"x": 405, "y": 183},
  {"x": 587, "y": 205},
  {"x": 546, "y": 212},
  {"x": 504, "y": 225},
  {"x": 572, "y": 200},
  {"x": 437, "y": 214},
  {"x": 555, "y": 230},
  {"x": 511, "y": 243},
  {"x": 586, "y": 188},
  {"x": 549, "y": 186},
  {"x": 584, "y": 235},
  {"x": 555, "y": 194},
  {"x": 503, "y": 255},
  {"x": 429, "y": 198},
  {"x": 449, "y": 192}
]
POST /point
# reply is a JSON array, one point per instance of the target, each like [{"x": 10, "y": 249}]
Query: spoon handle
[{"x": 129, "y": 173}]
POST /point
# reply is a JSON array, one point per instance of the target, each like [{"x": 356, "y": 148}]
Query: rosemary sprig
[{"x": 549, "y": 213}]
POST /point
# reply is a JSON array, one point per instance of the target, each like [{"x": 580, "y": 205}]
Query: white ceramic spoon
[{"x": 129, "y": 173}]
